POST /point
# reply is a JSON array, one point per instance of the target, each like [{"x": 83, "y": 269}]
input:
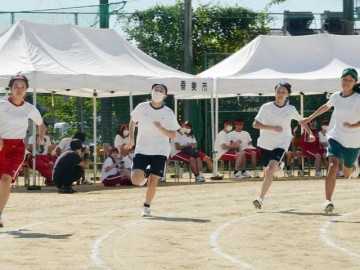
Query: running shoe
[
  {"x": 145, "y": 212},
  {"x": 329, "y": 207},
  {"x": 257, "y": 203}
]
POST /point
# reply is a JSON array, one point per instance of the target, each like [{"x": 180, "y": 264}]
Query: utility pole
[
  {"x": 106, "y": 126},
  {"x": 348, "y": 17},
  {"x": 188, "y": 50}
]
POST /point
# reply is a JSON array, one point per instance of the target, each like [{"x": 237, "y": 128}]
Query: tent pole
[
  {"x": 34, "y": 144},
  {"x": 95, "y": 135},
  {"x": 176, "y": 107},
  {"x": 131, "y": 102},
  {"x": 214, "y": 125}
]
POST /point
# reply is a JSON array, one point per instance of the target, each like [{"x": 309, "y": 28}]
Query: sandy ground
[{"x": 194, "y": 226}]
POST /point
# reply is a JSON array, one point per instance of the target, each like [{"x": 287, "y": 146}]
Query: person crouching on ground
[
  {"x": 69, "y": 167},
  {"x": 113, "y": 170}
]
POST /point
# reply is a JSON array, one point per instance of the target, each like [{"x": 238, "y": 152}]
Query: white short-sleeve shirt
[
  {"x": 221, "y": 138},
  {"x": 272, "y": 115},
  {"x": 107, "y": 163},
  {"x": 64, "y": 144},
  {"x": 119, "y": 141},
  {"x": 14, "y": 119},
  {"x": 32, "y": 141},
  {"x": 243, "y": 136},
  {"x": 181, "y": 139},
  {"x": 346, "y": 109},
  {"x": 150, "y": 141}
]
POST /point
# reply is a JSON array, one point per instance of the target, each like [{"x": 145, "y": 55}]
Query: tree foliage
[{"x": 158, "y": 31}]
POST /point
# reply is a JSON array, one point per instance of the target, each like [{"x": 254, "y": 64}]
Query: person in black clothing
[{"x": 69, "y": 167}]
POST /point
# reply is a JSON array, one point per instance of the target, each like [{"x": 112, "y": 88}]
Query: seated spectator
[
  {"x": 294, "y": 153},
  {"x": 313, "y": 149},
  {"x": 122, "y": 138},
  {"x": 113, "y": 171},
  {"x": 245, "y": 141},
  {"x": 64, "y": 145},
  {"x": 227, "y": 151},
  {"x": 184, "y": 151},
  {"x": 43, "y": 162},
  {"x": 69, "y": 167},
  {"x": 191, "y": 140}
]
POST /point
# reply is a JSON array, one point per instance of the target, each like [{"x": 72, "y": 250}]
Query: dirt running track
[{"x": 195, "y": 226}]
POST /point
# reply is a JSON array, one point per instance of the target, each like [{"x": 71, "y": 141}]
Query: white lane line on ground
[
  {"x": 326, "y": 238},
  {"x": 215, "y": 236},
  {"x": 216, "y": 247},
  {"x": 95, "y": 252}
]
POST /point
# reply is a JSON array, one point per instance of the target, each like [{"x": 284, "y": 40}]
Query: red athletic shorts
[
  {"x": 228, "y": 156},
  {"x": 250, "y": 150},
  {"x": 11, "y": 157},
  {"x": 182, "y": 157}
]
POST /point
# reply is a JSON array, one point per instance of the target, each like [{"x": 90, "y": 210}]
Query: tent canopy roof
[
  {"x": 311, "y": 64},
  {"x": 60, "y": 57}
]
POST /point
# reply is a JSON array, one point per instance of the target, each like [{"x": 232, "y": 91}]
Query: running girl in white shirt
[
  {"x": 274, "y": 122},
  {"x": 14, "y": 115},
  {"x": 156, "y": 124},
  {"x": 343, "y": 132}
]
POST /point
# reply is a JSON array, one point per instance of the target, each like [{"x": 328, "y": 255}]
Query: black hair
[
  {"x": 18, "y": 76},
  {"x": 284, "y": 84},
  {"x": 160, "y": 84},
  {"x": 80, "y": 136},
  {"x": 356, "y": 88}
]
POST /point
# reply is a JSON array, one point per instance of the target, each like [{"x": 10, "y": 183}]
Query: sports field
[{"x": 194, "y": 226}]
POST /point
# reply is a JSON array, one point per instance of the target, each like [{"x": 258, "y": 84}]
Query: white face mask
[
  {"x": 324, "y": 127},
  {"x": 125, "y": 133},
  {"x": 229, "y": 128},
  {"x": 183, "y": 130},
  {"x": 157, "y": 96},
  {"x": 188, "y": 130}
]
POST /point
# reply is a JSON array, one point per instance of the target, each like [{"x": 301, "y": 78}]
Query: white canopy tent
[
  {"x": 311, "y": 64},
  {"x": 83, "y": 62}
]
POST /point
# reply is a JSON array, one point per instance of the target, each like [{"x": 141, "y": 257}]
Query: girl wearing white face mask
[
  {"x": 322, "y": 134},
  {"x": 122, "y": 138},
  {"x": 156, "y": 124}
]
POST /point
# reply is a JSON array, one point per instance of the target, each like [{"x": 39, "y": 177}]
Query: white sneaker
[
  {"x": 340, "y": 173},
  {"x": 280, "y": 172},
  {"x": 257, "y": 203},
  {"x": 319, "y": 174},
  {"x": 86, "y": 182},
  {"x": 1, "y": 222},
  {"x": 145, "y": 211},
  {"x": 355, "y": 173},
  {"x": 288, "y": 173},
  {"x": 256, "y": 175},
  {"x": 238, "y": 175},
  {"x": 199, "y": 178},
  {"x": 329, "y": 207},
  {"x": 301, "y": 173},
  {"x": 162, "y": 179},
  {"x": 246, "y": 175}
]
